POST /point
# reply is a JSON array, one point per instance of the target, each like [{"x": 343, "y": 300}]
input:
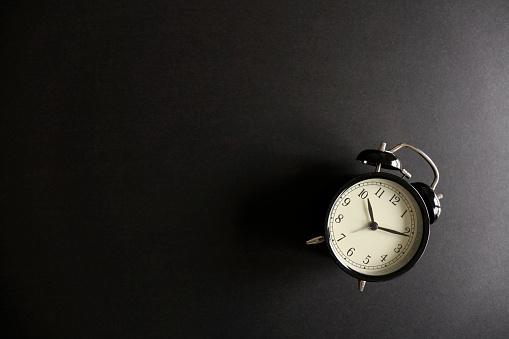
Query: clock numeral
[
  {"x": 363, "y": 194},
  {"x": 394, "y": 200},
  {"x": 346, "y": 202},
  {"x": 350, "y": 252},
  {"x": 404, "y": 213},
  {"x": 366, "y": 261},
  {"x": 383, "y": 257},
  {"x": 398, "y": 248},
  {"x": 339, "y": 218},
  {"x": 407, "y": 230},
  {"x": 378, "y": 193},
  {"x": 343, "y": 236}
]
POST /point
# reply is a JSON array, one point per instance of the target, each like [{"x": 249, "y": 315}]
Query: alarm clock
[{"x": 378, "y": 224}]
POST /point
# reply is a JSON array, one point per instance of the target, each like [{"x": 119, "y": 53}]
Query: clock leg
[
  {"x": 316, "y": 240},
  {"x": 362, "y": 283}
]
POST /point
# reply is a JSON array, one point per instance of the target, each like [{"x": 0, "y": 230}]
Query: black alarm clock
[{"x": 378, "y": 224}]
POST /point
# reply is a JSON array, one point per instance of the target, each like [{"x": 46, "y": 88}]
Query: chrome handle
[{"x": 428, "y": 159}]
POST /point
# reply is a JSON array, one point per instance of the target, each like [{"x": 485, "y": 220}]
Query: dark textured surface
[{"x": 163, "y": 164}]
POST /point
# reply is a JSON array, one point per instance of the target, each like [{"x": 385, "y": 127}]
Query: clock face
[{"x": 377, "y": 227}]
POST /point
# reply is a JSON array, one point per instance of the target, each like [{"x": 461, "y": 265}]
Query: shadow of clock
[{"x": 292, "y": 211}]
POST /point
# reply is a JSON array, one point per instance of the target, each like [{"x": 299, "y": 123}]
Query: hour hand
[
  {"x": 370, "y": 211},
  {"x": 392, "y": 231}
]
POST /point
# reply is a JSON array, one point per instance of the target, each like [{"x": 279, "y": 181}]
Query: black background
[{"x": 163, "y": 164}]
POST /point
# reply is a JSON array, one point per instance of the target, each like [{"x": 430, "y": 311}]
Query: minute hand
[{"x": 392, "y": 231}]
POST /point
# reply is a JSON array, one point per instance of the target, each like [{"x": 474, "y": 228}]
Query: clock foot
[
  {"x": 362, "y": 283},
  {"x": 316, "y": 240}
]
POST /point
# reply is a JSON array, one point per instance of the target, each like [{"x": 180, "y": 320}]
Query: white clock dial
[{"x": 387, "y": 243}]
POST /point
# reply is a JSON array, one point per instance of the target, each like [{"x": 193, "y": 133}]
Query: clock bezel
[{"x": 425, "y": 224}]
